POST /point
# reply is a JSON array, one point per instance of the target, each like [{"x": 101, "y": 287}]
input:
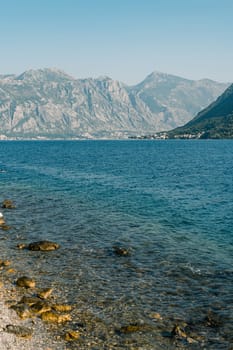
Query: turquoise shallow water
[{"x": 170, "y": 202}]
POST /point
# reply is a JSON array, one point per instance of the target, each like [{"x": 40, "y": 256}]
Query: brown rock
[
  {"x": 156, "y": 316},
  {"x": 191, "y": 340},
  {"x": 2, "y": 220},
  {"x": 21, "y": 246},
  {"x": 8, "y": 204},
  {"x": 40, "y": 307},
  {"x": 72, "y": 335},
  {"x": 177, "y": 331},
  {"x": 22, "y": 311},
  {"x": 5, "y": 263},
  {"x": 45, "y": 293},
  {"x": 29, "y": 300},
  {"x": 26, "y": 282},
  {"x": 61, "y": 307},
  {"x": 132, "y": 328},
  {"x": 53, "y": 317},
  {"x": 5, "y": 227},
  {"x": 212, "y": 320},
  {"x": 43, "y": 246},
  {"x": 121, "y": 251}
]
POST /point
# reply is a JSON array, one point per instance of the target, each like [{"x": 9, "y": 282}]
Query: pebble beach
[
  {"x": 17, "y": 334},
  {"x": 20, "y": 328}
]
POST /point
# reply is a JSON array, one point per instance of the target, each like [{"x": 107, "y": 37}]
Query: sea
[{"x": 167, "y": 203}]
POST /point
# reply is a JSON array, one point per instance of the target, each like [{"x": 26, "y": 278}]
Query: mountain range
[
  {"x": 48, "y": 103},
  {"x": 215, "y": 121}
]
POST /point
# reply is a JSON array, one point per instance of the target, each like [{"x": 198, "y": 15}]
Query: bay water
[{"x": 168, "y": 202}]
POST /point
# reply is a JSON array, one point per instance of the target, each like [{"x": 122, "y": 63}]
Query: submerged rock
[
  {"x": 21, "y": 246},
  {"x": 132, "y": 328},
  {"x": 178, "y": 332},
  {"x": 3, "y": 224},
  {"x": 5, "y": 263},
  {"x": 8, "y": 204},
  {"x": 43, "y": 246},
  {"x": 121, "y": 251},
  {"x": 26, "y": 282},
  {"x": 212, "y": 320},
  {"x": 19, "y": 331},
  {"x": 5, "y": 227},
  {"x": 156, "y": 316}
]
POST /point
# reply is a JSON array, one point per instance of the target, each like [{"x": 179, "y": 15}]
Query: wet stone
[
  {"x": 72, "y": 335},
  {"x": 8, "y": 204},
  {"x": 5, "y": 227},
  {"x": 26, "y": 282},
  {"x": 19, "y": 331},
  {"x": 61, "y": 307},
  {"x": 22, "y": 311},
  {"x": 156, "y": 316},
  {"x": 213, "y": 320},
  {"x": 5, "y": 263},
  {"x": 29, "y": 300},
  {"x": 132, "y": 328},
  {"x": 43, "y": 246},
  {"x": 45, "y": 293},
  {"x": 53, "y": 317},
  {"x": 121, "y": 251},
  {"x": 2, "y": 220},
  {"x": 21, "y": 246},
  {"x": 178, "y": 332},
  {"x": 191, "y": 340},
  {"x": 40, "y": 307}
]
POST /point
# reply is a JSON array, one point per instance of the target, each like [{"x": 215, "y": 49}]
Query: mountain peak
[
  {"x": 156, "y": 78},
  {"x": 104, "y": 77},
  {"x": 47, "y": 74}
]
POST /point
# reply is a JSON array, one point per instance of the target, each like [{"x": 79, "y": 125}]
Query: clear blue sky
[{"x": 124, "y": 39}]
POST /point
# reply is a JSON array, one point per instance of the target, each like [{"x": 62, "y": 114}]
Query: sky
[{"x": 123, "y": 39}]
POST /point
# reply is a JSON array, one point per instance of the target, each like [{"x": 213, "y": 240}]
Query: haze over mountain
[
  {"x": 48, "y": 103},
  {"x": 215, "y": 121}
]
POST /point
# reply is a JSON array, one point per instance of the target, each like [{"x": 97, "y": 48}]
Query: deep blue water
[{"x": 170, "y": 202}]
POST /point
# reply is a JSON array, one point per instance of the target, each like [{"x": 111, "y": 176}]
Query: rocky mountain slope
[
  {"x": 215, "y": 121},
  {"x": 48, "y": 103}
]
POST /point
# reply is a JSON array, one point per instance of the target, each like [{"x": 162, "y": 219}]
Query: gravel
[{"x": 14, "y": 331}]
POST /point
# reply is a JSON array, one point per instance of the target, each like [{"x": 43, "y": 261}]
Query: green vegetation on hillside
[{"x": 215, "y": 121}]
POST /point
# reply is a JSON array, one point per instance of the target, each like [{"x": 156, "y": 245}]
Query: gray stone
[{"x": 19, "y": 331}]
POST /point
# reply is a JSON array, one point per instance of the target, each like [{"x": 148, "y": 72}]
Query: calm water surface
[{"x": 170, "y": 202}]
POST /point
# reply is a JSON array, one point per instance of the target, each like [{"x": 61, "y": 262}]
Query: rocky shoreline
[
  {"x": 23, "y": 334},
  {"x": 32, "y": 316},
  {"x": 29, "y": 316}
]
